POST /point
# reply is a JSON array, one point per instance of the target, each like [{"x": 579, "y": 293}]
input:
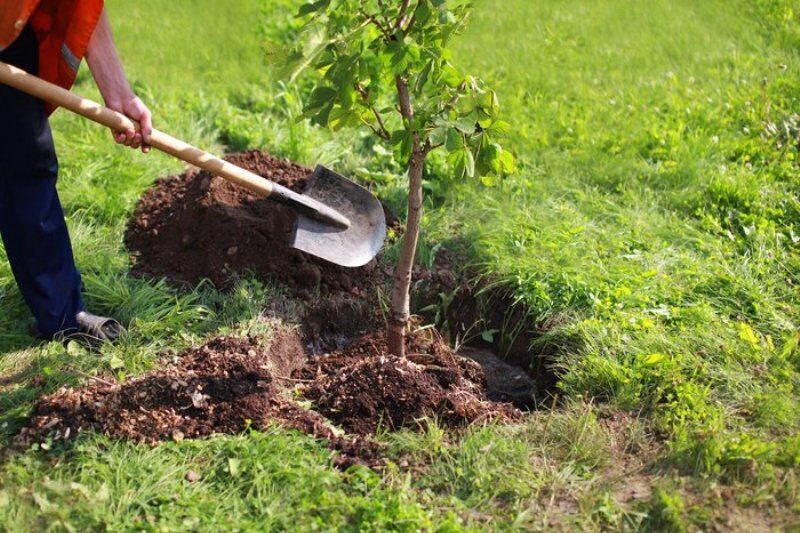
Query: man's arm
[{"x": 113, "y": 84}]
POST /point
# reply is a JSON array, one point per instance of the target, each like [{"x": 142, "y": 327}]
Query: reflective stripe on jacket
[{"x": 63, "y": 27}]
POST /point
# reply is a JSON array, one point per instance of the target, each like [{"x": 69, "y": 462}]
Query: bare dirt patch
[
  {"x": 504, "y": 382},
  {"x": 231, "y": 384},
  {"x": 228, "y": 385},
  {"x": 363, "y": 388},
  {"x": 195, "y": 226}
]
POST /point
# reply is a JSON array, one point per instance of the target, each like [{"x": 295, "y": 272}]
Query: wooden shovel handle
[{"x": 27, "y": 83}]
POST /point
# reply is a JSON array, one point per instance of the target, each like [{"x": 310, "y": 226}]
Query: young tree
[{"x": 385, "y": 64}]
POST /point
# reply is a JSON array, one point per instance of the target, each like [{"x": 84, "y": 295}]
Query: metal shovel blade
[{"x": 351, "y": 247}]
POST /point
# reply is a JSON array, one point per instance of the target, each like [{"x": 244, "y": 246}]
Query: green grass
[
  {"x": 651, "y": 235},
  {"x": 656, "y": 211}
]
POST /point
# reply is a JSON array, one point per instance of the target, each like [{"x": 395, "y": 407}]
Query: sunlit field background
[{"x": 651, "y": 239}]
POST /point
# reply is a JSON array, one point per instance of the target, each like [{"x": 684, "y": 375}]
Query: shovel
[{"x": 338, "y": 220}]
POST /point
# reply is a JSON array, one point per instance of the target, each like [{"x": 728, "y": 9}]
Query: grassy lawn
[{"x": 651, "y": 238}]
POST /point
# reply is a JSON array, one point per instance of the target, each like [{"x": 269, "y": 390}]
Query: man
[{"x": 49, "y": 38}]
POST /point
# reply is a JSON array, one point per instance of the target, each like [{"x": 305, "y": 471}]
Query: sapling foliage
[{"x": 386, "y": 65}]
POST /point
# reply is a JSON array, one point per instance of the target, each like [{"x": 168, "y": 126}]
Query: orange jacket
[{"x": 63, "y": 27}]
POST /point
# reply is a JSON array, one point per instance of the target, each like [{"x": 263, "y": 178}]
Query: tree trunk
[{"x": 400, "y": 310}]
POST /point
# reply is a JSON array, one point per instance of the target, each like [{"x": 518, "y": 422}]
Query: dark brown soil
[
  {"x": 195, "y": 226},
  {"x": 474, "y": 305},
  {"x": 504, "y": 382},
  {"x": 225, "y": 386},
  {"x": 231, "y": 384},
  {"x": 333, "y": 323},
  {"x": 363, "y": 389}
]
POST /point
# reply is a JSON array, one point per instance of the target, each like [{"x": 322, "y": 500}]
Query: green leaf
[
  {"x": 438, "y": 135},
  {"x": 466, "y": 105},
  {"x": 454, "y": 140},
  {"x": 654, "y": 359},
  {"x": 485, "y": 121},
  {"x": 489, "y": 159},
  {"x": 75, "y": 349},
  {"x": 317, "y": 41},
  {"x": 321, "y": 118},
  {"x": 500, "y": 127},
  {"x": 422, "y": 79},
  {"x": 507, "y": 163},
  {"x": 470, "y": 162},
  {"x": 747, "y": 334},
  {"x": 320, "y": 97},
  {"x": 340, "y": 117},
  {"x": 233, "y": 467},
  {"x": 312, "y": 7},
  {"x": 458, "y": 160},
  {"x": 451, "y": 76},
  {"x": 490, "y": 103},
  {"x": 116, "y": 363},
  {"x": 790, "y": 346},
  {"x": 401, "y": 140},
  {"x": 467, "y": 124},
  {"x": 423, "y": 13},
  {"x": 488, "y": 335}
]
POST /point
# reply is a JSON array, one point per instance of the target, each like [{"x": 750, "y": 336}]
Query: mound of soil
[
  {"x": 224, "y": 386},
  {"x": 363, "y": 388},
  {"x": 196, "y": 226},
  {"x": 231, "y": 384}
]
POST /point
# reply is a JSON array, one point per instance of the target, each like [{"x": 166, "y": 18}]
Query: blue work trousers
[{"x": 32, "y": 222}]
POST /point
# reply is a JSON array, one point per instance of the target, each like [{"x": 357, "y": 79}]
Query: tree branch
[
  {"x": 386, "y": 20},
  {"x": 382, "y": 132},
  {"x": 372, "y": 19},
  {"x": 362, "y": 92},
  {"x": 386, "y": 134},
  {"x": 401, "y": 16},
  {"x": 378, "y": 133},
  {"x": 410, "y": 24},
  {"x": 404, "y": 100},
  {"x": 428, "y": 148}
]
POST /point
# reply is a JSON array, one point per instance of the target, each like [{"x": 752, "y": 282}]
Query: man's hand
[
  {"x": 110, "y": 78},
  {"x": 134, "y": 108}
]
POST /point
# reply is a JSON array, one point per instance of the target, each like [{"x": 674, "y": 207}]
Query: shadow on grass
[
  {"x": 15, "y": 322},
  {"x": 20, "y": 389},
  {"x": 16, "y": 338}
]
